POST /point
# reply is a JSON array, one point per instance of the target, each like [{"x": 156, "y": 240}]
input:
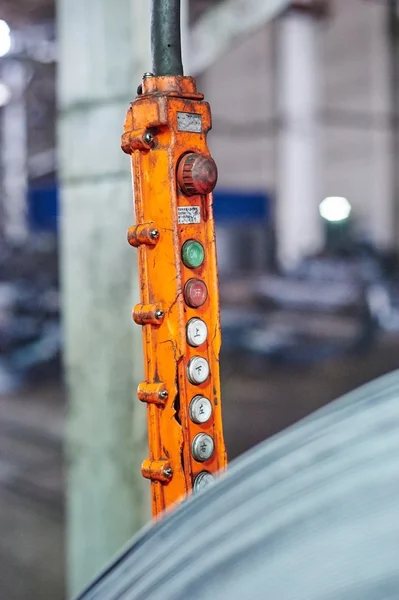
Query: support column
[
  {"x": 393, "y": 65},
  {"x": 102, "y": 53},
  {"x": 298, "y": 225},
  {"x": 14, "y": 155},
  {"x": 382, "y": 205}
]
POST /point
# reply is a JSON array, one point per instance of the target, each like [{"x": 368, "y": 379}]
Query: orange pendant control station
[{"x": 173, "y": 177}]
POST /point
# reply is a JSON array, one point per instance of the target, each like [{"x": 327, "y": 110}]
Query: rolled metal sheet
[{"x": 310, "y": 514}]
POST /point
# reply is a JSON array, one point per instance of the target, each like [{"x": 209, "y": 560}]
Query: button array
[{"x": 195, "y": 295}]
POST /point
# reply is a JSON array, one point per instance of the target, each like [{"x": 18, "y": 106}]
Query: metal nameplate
[
  {"x": 190, "y": 122},
  {"x": 188, "y": 215}
]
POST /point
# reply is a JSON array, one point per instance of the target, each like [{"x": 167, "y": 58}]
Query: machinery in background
[
  {"x": 30, "y": 329},
  {"x": 333, "y": 304},
  {"x": 244, "y": 232}
]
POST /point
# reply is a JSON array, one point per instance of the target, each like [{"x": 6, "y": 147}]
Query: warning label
[{"x": 186, "y": 215}]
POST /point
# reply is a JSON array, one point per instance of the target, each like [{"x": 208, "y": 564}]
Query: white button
[
  {"x": 198, "y": 370},
  {"x": 202, "y": 481},
  {"x": 203, "y": 447},
  {"x": 197, "y": 332},
  {"x": 200, "y": 409}
]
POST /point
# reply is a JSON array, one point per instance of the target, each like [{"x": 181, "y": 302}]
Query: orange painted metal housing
[{"x": 157, "y": 140}]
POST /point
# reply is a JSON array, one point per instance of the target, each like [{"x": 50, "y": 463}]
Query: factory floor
[
  {"x": 31, "y": 495},
  {"x": 258, "y": 402}
]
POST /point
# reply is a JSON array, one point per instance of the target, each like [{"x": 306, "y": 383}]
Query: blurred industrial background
[{"x": 304, "y": 96}]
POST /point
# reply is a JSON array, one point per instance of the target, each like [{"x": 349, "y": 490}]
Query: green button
[{"x": 193, "y": 254}]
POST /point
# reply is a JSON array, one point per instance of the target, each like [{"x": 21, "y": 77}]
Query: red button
[
  {"x": 197, "y": 174},
  {"x": 195, "y": 293}
]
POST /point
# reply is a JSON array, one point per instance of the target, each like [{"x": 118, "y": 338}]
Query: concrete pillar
[
  {"x": 14, "y": 154},
  {"x": 382, "y": 204},
  {"x": 392, "y": 29},
  {"x": 298, "y": 225},
  {"x": 103, "y": 53}
]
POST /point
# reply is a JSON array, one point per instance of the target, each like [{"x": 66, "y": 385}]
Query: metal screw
[
  {"x": 163, "y": 394},
  {"x": 159, "y": 314},
  {"x": 148, "y": 75},
  {"x": 168, "y": 472},
  {"x": 148, "y": 138},
  {"x": 154, "y": 234}
]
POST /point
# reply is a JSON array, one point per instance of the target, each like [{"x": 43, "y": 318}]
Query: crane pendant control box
[{"x": 174, "y": 175}]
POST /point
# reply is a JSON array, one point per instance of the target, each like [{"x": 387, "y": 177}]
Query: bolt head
[
  {"x": 148, "y": 138},
  {"x": 148, "y": 75},
  {"x": 168, "y": 472},
  {"x": 159, "y": 314},
  {"x": 163, "y": 394},
  {"x": 154, "y": 234}
]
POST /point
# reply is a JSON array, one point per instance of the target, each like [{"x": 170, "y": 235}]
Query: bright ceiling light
[
  {"x": 335, "y": 209},
  {"x": 5, "y": 38},
  {"x": 5, "y": 94}
]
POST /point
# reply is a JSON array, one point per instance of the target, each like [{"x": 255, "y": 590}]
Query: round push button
[
  {"x": 202, "y": 481},
  {"x": 193, "y": 254},
  {"x": 195, "y": 293},
  {"x": 197, "y": 332},
  {"x": 200, "y": 409},
  {"x": 198, "y": 370},
  {"x": 203, "y": 447},
  {"x": 197, "y": 174}
]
